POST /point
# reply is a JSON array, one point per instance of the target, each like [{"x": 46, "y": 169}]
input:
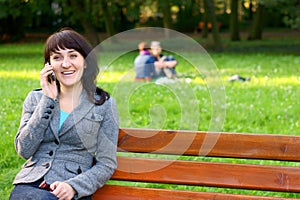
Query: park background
[{"x": 259, "y": 39}]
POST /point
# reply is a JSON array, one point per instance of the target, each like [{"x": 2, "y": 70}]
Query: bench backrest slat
[
  {"x": 232, "y": 145},
  {"x": 273, "y": 178},
  {"x": 115, "y": 192}
]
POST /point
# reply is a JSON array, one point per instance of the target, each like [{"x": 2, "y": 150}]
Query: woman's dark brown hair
[{"x": 69, "y": 39}]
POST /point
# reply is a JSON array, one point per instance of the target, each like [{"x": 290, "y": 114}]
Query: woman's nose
[{"x": 66, "y": 62}]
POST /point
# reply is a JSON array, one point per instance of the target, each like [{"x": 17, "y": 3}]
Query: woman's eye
[
  {"x": 73, "y": 55},
  {"x": 56, "y": 58}
]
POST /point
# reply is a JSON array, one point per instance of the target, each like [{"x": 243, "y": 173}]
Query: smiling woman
[{"x": 69, "y": 128}]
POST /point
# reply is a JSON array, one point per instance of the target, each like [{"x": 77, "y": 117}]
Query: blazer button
[
  {"x": 46, "y": 117},
  {"x": 50, "y": 153},
  {"x": 49, "y": 112},
  {"x": 47, "y": 165},
  {"x": 51, "y": 106},
  {"x": 79, "y": 171}
]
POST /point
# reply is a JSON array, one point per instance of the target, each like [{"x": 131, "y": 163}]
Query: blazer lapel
[{"x": 77, "y": 114}]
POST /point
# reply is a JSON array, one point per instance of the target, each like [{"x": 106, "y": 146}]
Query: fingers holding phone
[
  {"x": 47, "y": 75},
  {"x": 48, "y": 81}
]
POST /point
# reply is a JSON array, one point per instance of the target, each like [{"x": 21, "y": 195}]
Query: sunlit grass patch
[
  {"x": 265, "y": 81},
  {"x": 17, "y": 74}
]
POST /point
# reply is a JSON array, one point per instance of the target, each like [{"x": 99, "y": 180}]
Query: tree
[
  {"x": 258, "y": 22},
  {"x": 165, "y": 7},
  {"x": 188, "y": 16},
  {"x": 234, "y": 22},
  {"x": 107, "y": 15},
  {"x": 13, "y": 18},
  {"x": 209, "y": 8},
  {"x": 167, "y": 20},
  {"x": 291, "y": 11},
  {"x": 104, "y": 15},
  {"x": 205, "y": 20},
  {"x": 262, "y": 6},
  {"x": 81, "y": 11}
]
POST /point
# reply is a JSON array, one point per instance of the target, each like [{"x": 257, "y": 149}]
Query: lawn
[{"x": 268, "y": 103}]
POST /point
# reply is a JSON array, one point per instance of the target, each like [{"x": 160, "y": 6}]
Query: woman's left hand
[{"x": 62, "y": 190}]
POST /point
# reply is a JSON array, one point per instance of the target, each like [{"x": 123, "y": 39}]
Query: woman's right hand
[{"x": 49, "y": 89}]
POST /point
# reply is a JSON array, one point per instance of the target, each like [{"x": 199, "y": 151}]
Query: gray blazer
[{"x": 90, "y": 131}]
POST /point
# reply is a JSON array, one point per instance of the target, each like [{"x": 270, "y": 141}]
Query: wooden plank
[
  {"x": 272, "y": 178},
  {"x": 235, "y": 145},
  {"x": 114, "y": 192}
]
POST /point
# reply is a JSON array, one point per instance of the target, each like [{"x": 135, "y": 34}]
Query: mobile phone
[{"x": 51, "y": 77}]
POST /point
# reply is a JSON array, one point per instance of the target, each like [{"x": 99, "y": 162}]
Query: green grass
[{"x": 269, "y": 103}]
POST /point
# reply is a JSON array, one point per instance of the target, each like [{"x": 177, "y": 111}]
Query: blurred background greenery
[{"x": 25, "y": 20}]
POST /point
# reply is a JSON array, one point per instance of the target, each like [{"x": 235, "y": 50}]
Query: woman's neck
[{"x": 70, "y": 97}]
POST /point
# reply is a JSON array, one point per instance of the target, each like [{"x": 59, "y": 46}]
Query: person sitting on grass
[
  {"x": 168, "y": 63},
  {"x": 144, "y": 64}
]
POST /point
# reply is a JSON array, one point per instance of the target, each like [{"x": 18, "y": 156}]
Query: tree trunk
[
  {"x": 89, "y": 29},
  {"x": 257, "y": 27},
  {"x": 205, "y": 19},
  {"x": 108, "y": 19},
  {"x": 166, "y": 10},
  {"x": 91, "y": 33},
  {"x": 234, "y": 21},
  {"x": 213, "y": 21},
  {"x": 250, "y": 10}
]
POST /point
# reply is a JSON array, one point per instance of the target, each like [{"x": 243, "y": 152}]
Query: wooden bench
[{"x": 164, "y": 169}]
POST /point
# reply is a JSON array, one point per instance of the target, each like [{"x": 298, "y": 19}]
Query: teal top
[{"x": 63, "y": 116}]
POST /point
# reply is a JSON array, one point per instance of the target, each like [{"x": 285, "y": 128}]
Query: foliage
[
  {"x": 20, "y": 16},
  {"x": 291, "y": 13},
  {"x": 188, "y": 10},
  {"x": 12, "y": 18},
  {"x": 287, "y": 12}
]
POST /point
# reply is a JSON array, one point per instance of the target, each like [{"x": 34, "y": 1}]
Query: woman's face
[{"x": 68, "y": 66}]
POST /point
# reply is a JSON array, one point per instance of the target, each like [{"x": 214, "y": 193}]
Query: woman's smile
[{"x": 68, "y": 73}]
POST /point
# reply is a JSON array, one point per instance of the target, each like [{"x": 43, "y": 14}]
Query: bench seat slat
[
  {"x": 234, "y": 145},
  {"x": 115, "y": 192},
  {"x": 273, "y": 178}
]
